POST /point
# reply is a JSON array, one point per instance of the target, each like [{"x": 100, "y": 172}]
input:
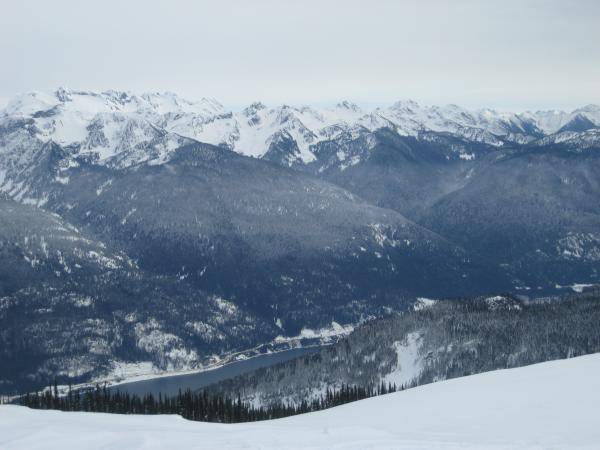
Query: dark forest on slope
[
  {"x": 450, "y": 339},
  {"x": 198, "y": 406}
]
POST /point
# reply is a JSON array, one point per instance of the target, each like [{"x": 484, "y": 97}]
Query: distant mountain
[
  {"x": 534, "y": 211},
  {"x": 550, "y": 122},
  {"x": 121, "y": 128},
  {"x": 199, "y": 231},
  {"x": 405, "y": 173},
  {"x": 578, "y": 124}
]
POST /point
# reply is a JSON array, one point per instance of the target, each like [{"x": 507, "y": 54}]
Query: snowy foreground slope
[{"x": 553, "y": 405}]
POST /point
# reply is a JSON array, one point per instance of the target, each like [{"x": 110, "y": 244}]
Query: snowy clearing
[
  {"x": 410, "y": 364},
  {"x": 545, "y": 406}
]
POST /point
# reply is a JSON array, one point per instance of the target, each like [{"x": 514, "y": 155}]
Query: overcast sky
[{"x": 503, "y": 53}]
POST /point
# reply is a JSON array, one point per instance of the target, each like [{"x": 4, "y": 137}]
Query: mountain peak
[
  {"x": 63, "y": 94},
  {"x": 406, "y": 105},
  {"x": 345, "y": 104},
  {"x": 253, "y": 108},
  {"x": 65, "y": 116},
  {"x": 590, "y": 109},
  {"x": 578, "y": 123}
]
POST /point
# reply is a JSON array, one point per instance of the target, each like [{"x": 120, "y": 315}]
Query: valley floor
[{"x": 554, "y": 405}]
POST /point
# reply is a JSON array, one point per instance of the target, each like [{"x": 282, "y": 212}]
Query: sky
[{"x": 506, "y": 54}]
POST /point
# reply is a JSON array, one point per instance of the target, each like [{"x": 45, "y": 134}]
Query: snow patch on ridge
[
  {"x": 423, "y": 303},
  {"x": 575, "y": 287},
  {"x": 501, "y": 302},
  {"x": 409, "y": 363}
]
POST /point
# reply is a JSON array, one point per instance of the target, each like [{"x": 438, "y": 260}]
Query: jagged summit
[
  {"x": 345, "y": 104},
  {"x": 126, "y": 127},
  {"x": 579, "y": 123}
]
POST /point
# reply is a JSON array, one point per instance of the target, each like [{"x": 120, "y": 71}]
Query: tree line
[
  {"x": 450, "y": 338},
  {"x": 193, "y": 405}
]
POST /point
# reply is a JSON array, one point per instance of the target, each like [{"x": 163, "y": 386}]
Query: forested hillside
[{"x": 435, "y": 340}]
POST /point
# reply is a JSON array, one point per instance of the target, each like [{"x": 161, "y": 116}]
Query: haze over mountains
[{"x": 152, "y": 228}]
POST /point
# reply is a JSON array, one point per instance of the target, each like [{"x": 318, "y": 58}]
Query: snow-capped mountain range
[
  {"x": 185, "y": 207},
  {"x": 121, "y": 129}
]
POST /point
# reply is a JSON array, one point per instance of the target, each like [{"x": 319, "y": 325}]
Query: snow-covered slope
[
  {"x": 553, "y": 121},
  {"x": 574, "y": 140},
  {"x": 122, "y": 129},
  {"x": 109, "y": 126},
  {"x": 252, "y": 130},
  {"x": 546, "y": 406}
]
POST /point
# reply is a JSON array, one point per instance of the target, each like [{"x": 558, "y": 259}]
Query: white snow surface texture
[
  {"x": 553, "y": 405},
  {"x": 117, "y": 125}
]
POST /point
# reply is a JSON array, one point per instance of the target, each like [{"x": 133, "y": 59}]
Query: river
[{"x": 170, "y": 385}]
